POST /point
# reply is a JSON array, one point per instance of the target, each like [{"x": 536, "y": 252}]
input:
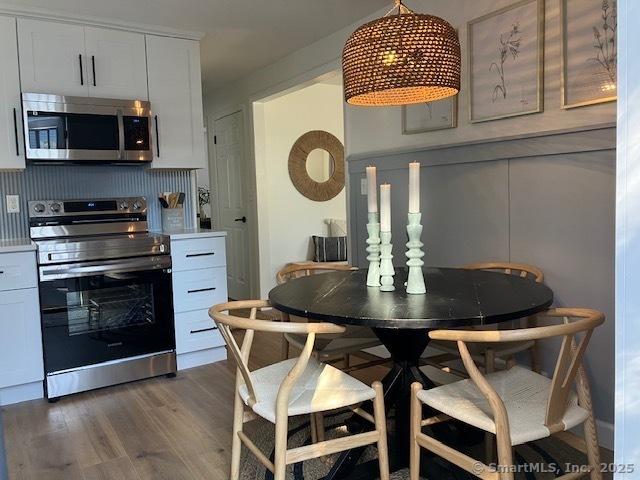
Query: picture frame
[
  {"x": 588, "y": 71},
  {"x": 505, "y": 61},
  {"x": 430, "y": 116}
]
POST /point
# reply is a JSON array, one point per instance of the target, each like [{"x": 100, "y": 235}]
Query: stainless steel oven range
[{"x": 105, "y": 294}]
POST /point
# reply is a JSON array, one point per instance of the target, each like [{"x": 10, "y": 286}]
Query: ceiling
[{"x": 240, "y": 35}]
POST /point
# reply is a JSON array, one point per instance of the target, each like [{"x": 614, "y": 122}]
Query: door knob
[{"x": 243, "y": 219}]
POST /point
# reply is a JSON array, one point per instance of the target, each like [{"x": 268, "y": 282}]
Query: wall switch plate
[
  {"x": 364, "y": 188},
  {"x": 13, "y": 203}
]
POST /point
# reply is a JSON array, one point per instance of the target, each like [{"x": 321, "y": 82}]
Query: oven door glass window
[{"x": 90, "y": 320}]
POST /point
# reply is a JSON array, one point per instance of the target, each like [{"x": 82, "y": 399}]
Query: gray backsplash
[{"x": 43, "y": 182}]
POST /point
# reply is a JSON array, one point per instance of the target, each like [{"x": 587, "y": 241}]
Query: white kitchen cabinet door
[
  {"x": 175, "y": 93},
  {"x": 11, "y": 143},
  {"x": 52, "y": 58},
  {"x": 117, "y": 64},
  {"x": 20, "y": 338}
]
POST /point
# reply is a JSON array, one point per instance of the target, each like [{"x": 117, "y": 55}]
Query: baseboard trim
[
  {"x": 202, "y": 357},
  {"x": 21, "y": 393}
]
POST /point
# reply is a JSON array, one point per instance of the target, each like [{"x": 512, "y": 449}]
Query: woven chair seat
[
  {"x": 353, "y": 340},
  {"x": 320, "y": 388},
  {"x": 524, "y": 393}
]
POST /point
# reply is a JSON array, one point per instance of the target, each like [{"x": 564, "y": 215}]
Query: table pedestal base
[{"x": 406, "y": 347}]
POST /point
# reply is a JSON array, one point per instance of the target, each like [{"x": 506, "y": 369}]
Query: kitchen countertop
[
  {"x": 16, "y": 245},
  {"x": 188, "y": 233}
]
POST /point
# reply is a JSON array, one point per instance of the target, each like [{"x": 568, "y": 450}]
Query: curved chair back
[
  {"x": 225, "y": 321},
  {"x": 297, "y": 270},
  {"x": 576, "y": 322},
  {"x": 521, "y": 269}
]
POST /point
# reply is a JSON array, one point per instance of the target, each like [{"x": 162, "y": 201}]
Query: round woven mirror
[{"x": 316, "y": 165}]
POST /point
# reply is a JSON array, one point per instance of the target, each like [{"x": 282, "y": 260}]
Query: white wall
[
  {"x": 627, "y": 442},
  {"x": 287, "y": 219}
]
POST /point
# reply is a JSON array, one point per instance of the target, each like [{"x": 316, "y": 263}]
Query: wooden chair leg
[
  {"x": 534, "y": 354},
  {"x": 284, "y": 355},
  {"x": 381, "y": 427},
  {"x": 511, "y": 362},
  {"x": 314, "y": 428},
  {"x": 590, "y": 431},
  {"x": 346, "y": 361},
  {"x": 280, "y": 453},
  {"x": 416, "y": 420},
  {"x": 236, "y": 444},
  {"x": 505, "y": 456},
  {"x": 489, "y": 360},
  {"x": 319, "y": 420}
]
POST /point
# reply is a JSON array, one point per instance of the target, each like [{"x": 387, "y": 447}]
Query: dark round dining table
[{"x": 455, "y": 298}]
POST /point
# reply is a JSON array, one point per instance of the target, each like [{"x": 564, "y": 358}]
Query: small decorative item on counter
[
  {"x": 172, "y": 211},
  {"x": 204, "y": 198}
]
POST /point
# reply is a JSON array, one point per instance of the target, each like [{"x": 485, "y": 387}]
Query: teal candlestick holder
[
  {"x": 373, "y": 249},
  {"x": 386, "y": 265},
  {"x": 415, "y": 279}
]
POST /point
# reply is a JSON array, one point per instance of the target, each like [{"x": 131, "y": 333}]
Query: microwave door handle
[{"x": 120, "y": 135}]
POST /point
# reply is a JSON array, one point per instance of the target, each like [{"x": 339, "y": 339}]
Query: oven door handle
[{"x": 89, "y": 269}]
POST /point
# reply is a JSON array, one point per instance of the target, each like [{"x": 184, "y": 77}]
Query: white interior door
[
  {"x": 117, "y": 64},
  {"x": 233, "y": 201},
  {"x": 52, "y": 58}
]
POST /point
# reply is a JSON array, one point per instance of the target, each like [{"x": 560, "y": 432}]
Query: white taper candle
[
  {"x": 414, "y": 187},
  {"x": 372, "y": 190},
  {"x": 385, "y": 207}
]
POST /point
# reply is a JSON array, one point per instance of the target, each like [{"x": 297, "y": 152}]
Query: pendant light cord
[{"x": 399, "y": 9}]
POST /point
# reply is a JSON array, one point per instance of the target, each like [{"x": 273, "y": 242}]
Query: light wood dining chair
[
  {"x": 517, "y": 404},
  {"x": 297, "y": 386},
  {"x": 332, "y": 347},
  {"x": 487, "y": 354}
]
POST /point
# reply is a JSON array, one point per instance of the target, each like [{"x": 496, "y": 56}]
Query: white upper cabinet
[
  {"x": 117, "y": 64},
  {"x": 175, "y": 93},
  {"x": 65, "y": 59},
  {"x": 11, "y": 143},
  {"x": 52, "y": 58}
]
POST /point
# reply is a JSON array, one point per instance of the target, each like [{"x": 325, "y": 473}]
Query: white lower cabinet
[
  {"x": 199, "y": 282},
  {"x": 21, "y": 364}
]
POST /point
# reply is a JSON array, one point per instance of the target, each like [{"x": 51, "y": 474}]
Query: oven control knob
[
  {"x": 137, "y": 205},
  {"x": 39, "y": 208},
  {"x": 55, "y": 207},
  {"x": 124, "y": 206}
]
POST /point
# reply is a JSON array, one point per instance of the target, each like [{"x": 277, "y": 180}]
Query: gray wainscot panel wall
[
  {"x": 43, "y": 182},
  {"x": 547, "y": 200}
]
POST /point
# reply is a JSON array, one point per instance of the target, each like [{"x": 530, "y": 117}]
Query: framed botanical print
[
  {"x": 589, "y": 51},
  {"x": 506, "y": 62},
  {"x": 430, "y": 116}
]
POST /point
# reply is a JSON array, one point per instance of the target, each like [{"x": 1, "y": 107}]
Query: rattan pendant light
[{"x": 400, "y": 59}]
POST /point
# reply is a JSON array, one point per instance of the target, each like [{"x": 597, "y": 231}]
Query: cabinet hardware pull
[
  {"x": 15, "y": 131},
  {"x": 157, "y": 137},
  {"x": 243, "y": 219},
  {"x": 81, "y": 74},
  {"x": 190, "y": 255},
  {"x": 204, "y": 330},
  {"x": 93, "y": 68},
  {"x": 1, "y": 272},
  {"x": 201, "y": 290}
]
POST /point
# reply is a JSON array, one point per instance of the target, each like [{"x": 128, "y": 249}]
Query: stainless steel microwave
[{"x": 86, "y": 130}]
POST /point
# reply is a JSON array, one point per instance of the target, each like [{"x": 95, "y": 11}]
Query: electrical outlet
[
  {"x": 364, "y": 187},
  {"x": 13, "y": 203}
]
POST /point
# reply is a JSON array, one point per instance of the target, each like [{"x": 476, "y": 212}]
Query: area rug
[{"x": 547, "y": 453}]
